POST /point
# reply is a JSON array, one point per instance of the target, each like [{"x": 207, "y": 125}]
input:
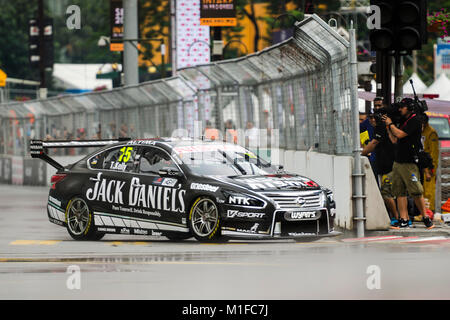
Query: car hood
[{"x": 286, "y": 182}]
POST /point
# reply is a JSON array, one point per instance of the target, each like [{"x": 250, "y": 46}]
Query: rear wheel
[
  {"x": 80, "y": 221},
  {"x": 204, "y": 220}
]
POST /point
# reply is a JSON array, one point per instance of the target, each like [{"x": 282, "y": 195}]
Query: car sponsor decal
[
  {"x": 54, "y": 201},
  {"x": 143, "y": 142},
  {"x": 55, "y": 212},
  {"x": 140, "y": 231},
  {"x": 239, "y": 200},
  {"x": 253, "y": 231},
  {"x": 296, "y": 234},
  {"x": 209, "y": 147},
  {"x": 302, "y": 215},
  {"x": 278, "y": 182},
  {"x": 168, "y": 182},
  {"x": 140, "y": 195},
  {"x": 118, "y": 166},
  {"x": 104, "y": 220},
  {"x": 203, "y": 187},
  {"x": 136, "y": 210},
  {"x": 237, "y": 214}
]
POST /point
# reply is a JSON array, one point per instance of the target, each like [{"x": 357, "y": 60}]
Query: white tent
[
  {"x": 81, "y": 76},
  {"x": 418, "y": 85},
  {"x": 440, "y": 86}
]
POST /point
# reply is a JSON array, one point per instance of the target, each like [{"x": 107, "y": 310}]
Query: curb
[{"x": 414, "y": 231}]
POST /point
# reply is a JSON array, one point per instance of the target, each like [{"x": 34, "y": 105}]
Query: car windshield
[
  {"x": 223, "y": 160},
  {"x": 441, "y": 126}
]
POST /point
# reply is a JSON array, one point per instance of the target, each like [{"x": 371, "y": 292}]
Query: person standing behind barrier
[
  {"x": 251, "y": 136},
  {"x": 366, "y": 130},
  {"x": 382, "y": 146},
  {"x": 430, "y": 141},
  {"x": 230, "y": 132},
  {"x": 210, "y": 132},
  {"x": 405, "y": 171}
]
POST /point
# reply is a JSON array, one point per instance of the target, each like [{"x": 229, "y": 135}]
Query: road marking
[
  {"x": 133, "y": 243},
  {"x": 77, "y": 261},
  {"x": 221, "y": 244},
  {"x": 34, "y": 242},
  {"x": 370, "y": 239},
  {"x": 438, "y": 239}
]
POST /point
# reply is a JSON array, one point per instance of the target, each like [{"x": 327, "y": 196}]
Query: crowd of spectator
[{"x": 404, "y": 154}]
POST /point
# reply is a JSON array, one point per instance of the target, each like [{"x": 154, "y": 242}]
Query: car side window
[
  {"x": 120, "y": 159},
  {"x": 153, "y": 160}
]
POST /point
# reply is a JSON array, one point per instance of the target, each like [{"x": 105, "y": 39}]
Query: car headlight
[
  {"x": 329, "y": 194},
  {"x": 242, "y": 199}
]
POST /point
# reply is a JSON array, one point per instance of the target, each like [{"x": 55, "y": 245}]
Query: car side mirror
[{"x": 170, "y": 172}]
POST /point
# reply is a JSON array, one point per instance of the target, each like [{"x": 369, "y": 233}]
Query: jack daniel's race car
[{"x": 182, "y": 188}]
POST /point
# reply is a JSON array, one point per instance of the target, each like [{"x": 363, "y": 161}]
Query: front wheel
[
  {"x": 80, "y": 221},
  {"x": 204, "y": 220}
]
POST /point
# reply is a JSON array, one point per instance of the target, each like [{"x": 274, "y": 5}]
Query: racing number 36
[{"x": 125, "y": 154}]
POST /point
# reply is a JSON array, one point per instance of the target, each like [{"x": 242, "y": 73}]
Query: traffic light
[
  {"x": 403, "y": 25},
  {"x": 34, "y": 44}
]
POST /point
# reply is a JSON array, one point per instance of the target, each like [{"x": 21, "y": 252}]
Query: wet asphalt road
[{"x": 35, "y": 256}]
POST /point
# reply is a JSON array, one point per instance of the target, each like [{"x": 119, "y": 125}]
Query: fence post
[{"x": 358, "y": 196}]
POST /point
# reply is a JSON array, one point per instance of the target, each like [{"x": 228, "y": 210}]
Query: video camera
[{"x": 414, "y": 105}]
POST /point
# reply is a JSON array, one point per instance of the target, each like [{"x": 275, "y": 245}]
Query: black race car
[{"x": 182, "y": 188}]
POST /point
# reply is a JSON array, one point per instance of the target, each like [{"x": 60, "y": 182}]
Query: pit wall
[{"x": 333, "y": 172}]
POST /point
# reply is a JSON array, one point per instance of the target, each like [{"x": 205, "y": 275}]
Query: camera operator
[
  {"x": 405, "y": 171},
  {"x": 383, "y": 148}
]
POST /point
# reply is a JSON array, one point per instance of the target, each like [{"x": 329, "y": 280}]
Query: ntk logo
[{"x": 239, "y": 200}]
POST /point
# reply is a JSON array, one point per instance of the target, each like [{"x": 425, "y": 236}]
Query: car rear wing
[{"x": 38, "y": 147}]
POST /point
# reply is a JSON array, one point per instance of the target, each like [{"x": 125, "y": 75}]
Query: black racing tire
[
  {"x": 204, "y": 220},
  {"x": 80, "y": 221}
]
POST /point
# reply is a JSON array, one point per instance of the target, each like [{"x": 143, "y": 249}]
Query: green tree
[
  {"x": 155, "y": 23},
  {"x": 14, "y": 17}
]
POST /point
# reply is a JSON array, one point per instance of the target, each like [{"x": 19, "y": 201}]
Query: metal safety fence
[{"x": 299, "y": 88}]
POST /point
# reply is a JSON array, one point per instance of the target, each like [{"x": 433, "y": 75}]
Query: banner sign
[
  {"x": 442, "y": 57},
  {"x": 192, "y": 38},
  {"x": 218, "y": 13},
  {"x": 116, "y": 16}
]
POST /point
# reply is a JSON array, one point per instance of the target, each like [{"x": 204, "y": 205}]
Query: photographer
[
  {"x": 405, "y": 172},
  {"x": 383, "y": 148}
]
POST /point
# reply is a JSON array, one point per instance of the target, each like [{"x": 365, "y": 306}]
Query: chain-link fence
[{"x": 298, "y": 90}]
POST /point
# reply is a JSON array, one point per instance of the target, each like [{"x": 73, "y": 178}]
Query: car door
[
  {"x": 161, "y": 198},
  {"x": 108, "y": 186}
]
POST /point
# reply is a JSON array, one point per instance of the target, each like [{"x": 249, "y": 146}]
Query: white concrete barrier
[
  {"x": 289, "y": 160},
  {"x": 319, "y": 167},
  {"x": 377, "y": 217},
  {"x": 300, "y": 162},
  {"x": 343, "y": 190},
  {"x": 335, "y": 173}
]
